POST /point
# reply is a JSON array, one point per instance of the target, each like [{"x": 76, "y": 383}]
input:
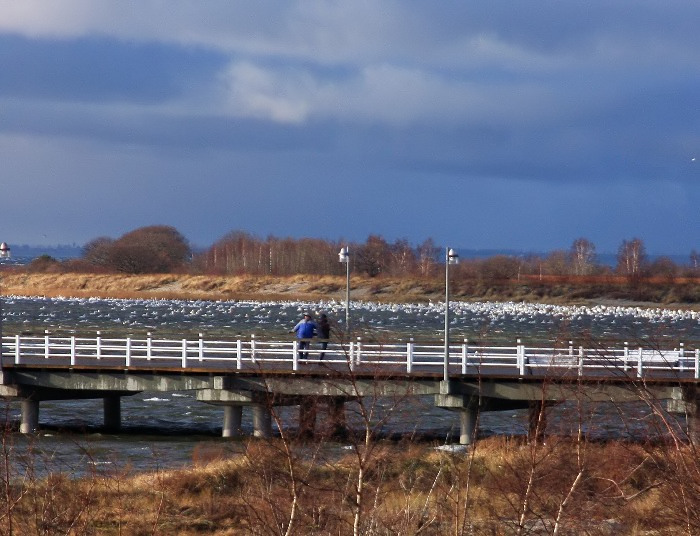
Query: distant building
[{"x": 4, "y": 251}]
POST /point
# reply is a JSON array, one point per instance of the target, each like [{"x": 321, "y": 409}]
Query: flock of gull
[{"x": 506, "y": 320}]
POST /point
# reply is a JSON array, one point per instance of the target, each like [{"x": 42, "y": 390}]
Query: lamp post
[
  {"x": 0, "y": 328},
  {"x": 344, "y": 257},
  {"x": 451, "y": 257},
  {"x": 4, "y": 254}
]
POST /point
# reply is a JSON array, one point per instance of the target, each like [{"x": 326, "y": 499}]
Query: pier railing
[{"x": 408, "y": 357}]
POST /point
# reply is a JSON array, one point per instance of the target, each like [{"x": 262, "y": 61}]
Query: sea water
[{"x": 173, "y": 429}]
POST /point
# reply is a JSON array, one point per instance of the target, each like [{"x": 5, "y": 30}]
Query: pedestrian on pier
[
  {"x": 324, "y": 333},
  {"x": 305, "y": 330}
]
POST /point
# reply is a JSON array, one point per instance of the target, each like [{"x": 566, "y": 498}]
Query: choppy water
[
  {"x": 490, "y": 321},
  {"x": 172, "y": 429}
]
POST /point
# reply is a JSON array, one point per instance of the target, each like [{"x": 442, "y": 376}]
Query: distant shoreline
[{"x": 679, "y": 294}]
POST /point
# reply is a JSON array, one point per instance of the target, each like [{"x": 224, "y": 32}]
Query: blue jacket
[{"x": 305, "y": 329}]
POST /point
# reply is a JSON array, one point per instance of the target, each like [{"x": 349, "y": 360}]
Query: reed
[{"x": 412, "y": 489}]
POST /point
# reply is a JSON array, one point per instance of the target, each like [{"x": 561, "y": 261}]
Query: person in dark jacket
[
  {"x": 305, "y": 330},
  {"x": 324, "y": 332}
]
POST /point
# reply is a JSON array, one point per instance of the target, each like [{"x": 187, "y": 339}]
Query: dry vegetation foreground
[
  {"x": 680, "y": 293},
  {"x": 499, "y": 487}
]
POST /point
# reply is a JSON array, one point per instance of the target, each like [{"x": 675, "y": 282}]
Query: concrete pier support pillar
[
  {"x": 336, "y": 418},
  {"x": 307, "y": 417},
  {"x": 537, "y": 421},
  {"x": 233, "y": 416},
  {"x": 112, "y": 412},
  {"x": 690, "y": 405},
  {"x": 262, "y": 421},
  {"x": 30, "y": 417},
  {"x": 467, "y": 426}
]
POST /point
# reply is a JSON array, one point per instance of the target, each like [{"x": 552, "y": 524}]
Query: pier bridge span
[{"x": 263, "y": 374}]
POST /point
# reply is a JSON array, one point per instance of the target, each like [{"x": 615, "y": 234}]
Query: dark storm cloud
[
  {"x": 99, "y": 69},
  {"x": 404, "y": 110}
]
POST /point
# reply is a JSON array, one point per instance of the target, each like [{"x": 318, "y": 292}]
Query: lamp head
[{"x": 452, "y": 257}]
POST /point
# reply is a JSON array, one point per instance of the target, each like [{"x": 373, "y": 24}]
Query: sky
[{"x": 485, "y": 124}]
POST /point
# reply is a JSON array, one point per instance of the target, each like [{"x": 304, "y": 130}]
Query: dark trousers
[{"x": 303, "y": 345}]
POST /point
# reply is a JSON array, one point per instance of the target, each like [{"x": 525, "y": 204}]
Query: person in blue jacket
[{"x": 305, "y": 330}]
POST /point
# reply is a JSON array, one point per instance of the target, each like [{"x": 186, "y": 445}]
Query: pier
[{"x": 262, "y": 374}]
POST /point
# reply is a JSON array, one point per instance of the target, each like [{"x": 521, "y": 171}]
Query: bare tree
[
  {"x": 428, "y": 257},
  {"x": 631, "y": 258},
  {"x": 372, "y": 256},
  {"x": 97, "y": 251},
  {"x": 152, "y": 249},
  {"x": 499, "y": 267},
  {"x": 583, "y": 256},
  {"x": 403, "y": 258},
  {"x": 665, "y": 268},
  {"x": 557, "y": 263},
  {"x": 695, "y": 263}
]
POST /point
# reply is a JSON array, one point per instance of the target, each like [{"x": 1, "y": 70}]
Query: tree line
[{"x": 163, "y": 249}]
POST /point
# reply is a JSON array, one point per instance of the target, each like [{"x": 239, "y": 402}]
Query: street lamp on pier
[
  {"x": 344, "y": 257},
  {"x": 0, "y": 328},
  {"x": 4, "y": 254},
  {"x": 451, "y": 257}
]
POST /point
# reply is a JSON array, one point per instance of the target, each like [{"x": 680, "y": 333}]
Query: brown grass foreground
[{"x": 501, "y": 486}]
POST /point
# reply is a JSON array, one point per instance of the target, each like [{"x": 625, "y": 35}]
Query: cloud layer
[{"x": 487, "y": 124}]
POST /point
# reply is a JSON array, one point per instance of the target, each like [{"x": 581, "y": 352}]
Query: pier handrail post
[
  {"x": 465, "y": 355},
  {"x": 351, "y": 356},
  {"x": 409, "y": 356},
  {"x": 46, "y": 344},
  {"x": 681, "y": 356},
  {"x": 626, "y": 356},
  {"x": 295, "y": 354},
  {"x": 252, "y": 347},
  {"x": 580, "y": 360},
  {"x": 184, "y": 353},
  {"x": 571, "y": 348},
  {"x": 98, "y": 345},
  {"x": 697, "y": 363},
  {"x": 72, "y": 350},
  {"x": 127, "y": 353},
  {"x": 239, "y": 354},
  {"x": 149, "y": 346},
  {"x": 358, "y": 352},
  {"x": 201, "y": 347},
  {"x": 640, "y": 367},
  {"x": 521, "y": 357},
  {"x": 18, "y": 347}
]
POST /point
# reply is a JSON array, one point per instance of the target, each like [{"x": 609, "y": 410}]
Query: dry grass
[
  {"x": 626, "y": 489},
  {"x": 311, "y": 287},
  {"x": 161, "y": 286},
  {"x": 177, "y": 286}
]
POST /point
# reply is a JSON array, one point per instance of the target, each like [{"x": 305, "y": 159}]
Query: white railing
[{"x": 410, "y": 357}]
